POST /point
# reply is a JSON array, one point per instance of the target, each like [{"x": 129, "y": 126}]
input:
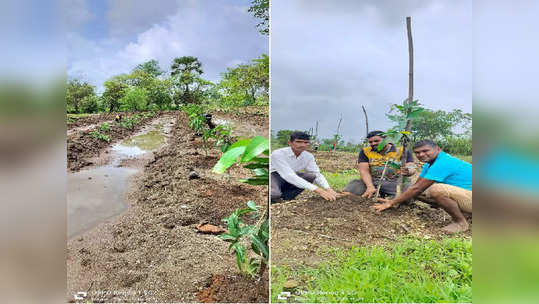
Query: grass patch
[
  {"x": 338, "y": 180},
  {"x": 466, "y": 158},
  {"x": 410, "y": 270},
  {"x": 78, "y": 115}
]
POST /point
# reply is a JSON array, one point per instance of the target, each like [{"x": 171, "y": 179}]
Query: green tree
[
  {"x": 185, "y": 71},
  {"x": 283, "y": 136},
  {"x": 260, "y": 10},
  {"x": 76, "y": 92},
  {"x": 158, "y": 90},
  {"x": 160, "y": 93},
  {"x": 115, "y": 89},
  {"x": 150, "y": 67},
  {"x": 89, "y": 104},
  {"x": 246, "y": 83},
  {"x": 439, "y": 124},
  {"x": 135, "y": 99}
]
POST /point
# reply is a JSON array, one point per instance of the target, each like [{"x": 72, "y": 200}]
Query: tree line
[
  {"x": 451, "y": 130},
  {"x": 148, "y": 87}
]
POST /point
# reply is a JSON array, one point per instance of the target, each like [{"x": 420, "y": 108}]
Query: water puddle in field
[
  {"x": 98, "y": 194},
  {"x": 95, "y": 195}
]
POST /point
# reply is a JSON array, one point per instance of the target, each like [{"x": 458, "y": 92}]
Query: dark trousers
[{"x": 283, "y": 190}]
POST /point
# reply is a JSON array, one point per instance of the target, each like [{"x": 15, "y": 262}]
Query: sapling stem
[{"x": 381, "y": 179}]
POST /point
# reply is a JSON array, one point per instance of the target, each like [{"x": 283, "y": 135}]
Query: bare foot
[{"x": 456, "y": 227}]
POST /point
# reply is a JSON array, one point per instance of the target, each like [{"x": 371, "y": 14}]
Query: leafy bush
[
  {"x": 89, "y": 104},
  {"x": 105, "y": 127},
  {"x": 154, "y": 107},
  {"x": 135, "y": 99},
  {"x": 457, "y": 145},
  {"x": 101, "y": 136}
]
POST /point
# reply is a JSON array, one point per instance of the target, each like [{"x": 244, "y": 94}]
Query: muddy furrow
[{"x": 82, "y": 146}]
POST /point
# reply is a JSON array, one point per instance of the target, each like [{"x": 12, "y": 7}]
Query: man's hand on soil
[
  {"x": 385, "y": 205},
  {"x": 329, "y": 196},
  {"x": 337, "y": 195},
  {"x": 369, "y": 192}
]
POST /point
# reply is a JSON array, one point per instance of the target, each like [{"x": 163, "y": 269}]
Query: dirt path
[{"x": 153, "y": 251}]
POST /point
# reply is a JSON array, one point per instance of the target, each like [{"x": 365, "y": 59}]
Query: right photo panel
[{"x": 371, "y": 151}]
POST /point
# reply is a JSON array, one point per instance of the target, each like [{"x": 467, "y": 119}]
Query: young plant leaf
[
  {"x": 252, "y": 205},
  {"x": 230, "y": 156},
  {"x": 260, "y": 245},
  {"x": 256, "y": 181},
  {"x": 240, "y": 255},
  {"x": 256, "y": 146}
]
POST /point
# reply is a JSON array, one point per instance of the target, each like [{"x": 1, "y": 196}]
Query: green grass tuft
[
  {"x": 410, "y": 270},
  {"x": 337, "y": 180}
]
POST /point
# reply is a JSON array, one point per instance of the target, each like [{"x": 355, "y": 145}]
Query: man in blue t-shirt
[{"x": 445, "y": 181}]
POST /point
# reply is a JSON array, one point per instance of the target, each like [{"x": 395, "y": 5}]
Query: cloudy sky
[
  {"x": 110, "y": 37},
  {"x": 330, "y": 57}
]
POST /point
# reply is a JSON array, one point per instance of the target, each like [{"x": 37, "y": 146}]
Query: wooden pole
[
  {"x": 366, "y": 121},
  {"x": 337, "y": 136},
  {"x": 410, "y": 98}
]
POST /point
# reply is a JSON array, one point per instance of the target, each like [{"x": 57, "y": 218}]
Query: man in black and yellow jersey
[{"x": 371, "y": 165}]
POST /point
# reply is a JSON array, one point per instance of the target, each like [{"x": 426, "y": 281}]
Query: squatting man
[
  {"x": 293, "y": 170},
  {"x": 445, "y": 181}
]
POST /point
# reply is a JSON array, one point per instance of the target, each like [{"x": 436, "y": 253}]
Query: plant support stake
[{"x": 400, "y": 184}]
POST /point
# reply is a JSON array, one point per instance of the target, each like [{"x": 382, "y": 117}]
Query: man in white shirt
[{"x": 287, "y": 181}]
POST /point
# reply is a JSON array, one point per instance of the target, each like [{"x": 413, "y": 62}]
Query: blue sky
[{"x": 107, "y": 38}]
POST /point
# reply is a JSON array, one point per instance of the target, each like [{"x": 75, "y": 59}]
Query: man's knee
[
  {"x": 310, "y": 177},
  {"x": 356, "y": 187},
  {"x": 275, "y": 194},
  {"x": 436, "y": 191}
]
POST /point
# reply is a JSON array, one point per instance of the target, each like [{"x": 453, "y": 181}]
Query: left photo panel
[{"x": 167, "y": 151}]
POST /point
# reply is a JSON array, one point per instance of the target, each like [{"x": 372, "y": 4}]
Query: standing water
[{"x": 97, "y": 194}]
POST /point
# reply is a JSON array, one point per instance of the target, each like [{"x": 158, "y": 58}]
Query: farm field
[
  {"x": 148, "y": 185},
  {"x": 313, "y": 240}
]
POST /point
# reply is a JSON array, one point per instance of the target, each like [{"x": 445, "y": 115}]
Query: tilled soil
[
  {"x": 154, "y": 250},
  {"x": 335, "y": 161},
  {"x": 81, "y": 146},
  {"x": 246, "y": 125},
  {"x": 90, "y": 120},
  {"x": 300, "y": 228},
  {"x": 235, "y": 289}
]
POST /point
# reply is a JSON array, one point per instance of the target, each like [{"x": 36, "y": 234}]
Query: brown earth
[
  {"x": 81, "y": 146},
  {"x": 154, "y": 249},
  {"x": 245, "y": 125},
  {"x": 235, "y": 289},
  {"x": 301, "y": 228},
  {"x": 90, "y": 119},
  {"x": 336, "y": 161}
]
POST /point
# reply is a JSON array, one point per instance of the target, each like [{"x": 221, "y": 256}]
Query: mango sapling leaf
[{"x": 256, "y": 146}]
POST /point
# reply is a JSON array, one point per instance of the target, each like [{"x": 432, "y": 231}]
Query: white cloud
[
  {"x": 216, "y": 32},
  {"x": 74, "y": 13},
  {"x": 330, "y": 58}
]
